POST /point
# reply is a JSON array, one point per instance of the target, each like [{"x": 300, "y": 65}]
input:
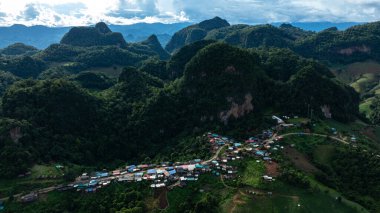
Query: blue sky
[{"x": 87, "y": 12}]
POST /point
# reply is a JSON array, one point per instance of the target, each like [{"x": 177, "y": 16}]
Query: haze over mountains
[{"x": 42, "y": 36}]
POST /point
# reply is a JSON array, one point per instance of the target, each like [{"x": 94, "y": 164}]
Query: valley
[
  {"x": 223, "y": 118},
  {"x": 248, "y": 169}
]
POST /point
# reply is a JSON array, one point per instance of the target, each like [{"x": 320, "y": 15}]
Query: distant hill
[
  {"x": 357, "y": 43},
  {"x": 19, "y": 49},
  {"x": 42, "y": 36},
  {"x": 153, "y": 43},
  {"x": 100, "y": 35},
  {"x": 37, "y": 36},
  {"x": 319, "y": 26},
  {"x": 194, "y": 33}
]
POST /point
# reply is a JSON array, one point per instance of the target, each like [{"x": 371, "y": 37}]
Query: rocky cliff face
[{"x": 237, "y": 110}]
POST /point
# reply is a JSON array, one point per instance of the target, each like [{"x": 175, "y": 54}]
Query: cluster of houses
[{"x": 169, "y": 174}]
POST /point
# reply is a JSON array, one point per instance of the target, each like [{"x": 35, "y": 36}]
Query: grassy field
[
  {"x": 46, "y": 170},
  {"x": 288, "y": 199},
  {"x": 253, "y": 173},
  {"x": 366, "y": 82},
  {"x": 351, "y": 72},
  {"x": 323, "y": 154},
  {"x": 364, "y": 106},
  {"x": 51, "y": 176},
  {"x": 322, "y": 151},
  {"x": 194, "y": 191}
]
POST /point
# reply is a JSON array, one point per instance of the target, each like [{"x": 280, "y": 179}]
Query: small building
[
  {"x": 143, "y": 166},
  {"x": 279, "y": 120},
  {"x": 58, "y": 166},
  {"x": 128, "y": 177},
  {"x": 81, "y": 186},
  {"x": 29, "y": 197},
  {"x": 93, "y": 183},
  {"x": 101, "y": 174},
  {"x": 131, "y": 168},
  {"x": 84, "y": 176},
  {"x": 151, "y": 171},
  {"x": 116, "y": 172},
  {"x": 260, "y": 153},
  {"x": 172, "y": 172},
  {"x": 90, "y": 190},
  {"x": 237, "y": 144},
  {"x": 268, "y": 178},
  {"x": 191, "y": 167}
]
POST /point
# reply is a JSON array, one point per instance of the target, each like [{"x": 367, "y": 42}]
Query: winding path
[
  {"x": 310, "y": 134},
  {"x": 215, "y": 156}
]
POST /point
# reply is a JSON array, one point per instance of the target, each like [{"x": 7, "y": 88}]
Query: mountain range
[
  {"x": 42, "y": 36},
  {"x": 95, "y": 100}
]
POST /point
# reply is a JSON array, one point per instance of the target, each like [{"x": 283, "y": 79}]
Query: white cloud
[{"x": 85, "y": 12}]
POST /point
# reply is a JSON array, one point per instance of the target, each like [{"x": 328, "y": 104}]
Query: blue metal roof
[{"x": 151, "y": 171}]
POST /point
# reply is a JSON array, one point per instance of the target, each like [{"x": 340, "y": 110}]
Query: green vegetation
[
  {"x": 19, "y": 49},
  {"x": 375, "y": 110},
  {"x": 100, "y": 35},
  {"x": 351, "y": 171},
  {"x": 294, "y": 200},
  {"x": 253, "y": 173},
  {"x": 6, "y": 80},
  {"x": 194, "y": 33},
  {"x": 96, "y": 101},
  {"x": 87, "y": 117},
  {"x": 24, "y": 67},
  {"x": 203, "y": 195},
  {"x": 116, "y": 198}
]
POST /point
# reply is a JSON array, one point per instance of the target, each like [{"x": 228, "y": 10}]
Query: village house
[
  {"x": 29, "y": 197},
  {"x": 84, "y": 176}
]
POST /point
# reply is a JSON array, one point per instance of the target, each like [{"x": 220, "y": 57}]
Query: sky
[{"x": 123, "y": 12}]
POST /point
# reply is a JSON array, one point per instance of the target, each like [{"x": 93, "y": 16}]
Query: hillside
[
  {"x": 153, "y": 43},
  {"x": 99, "y": 35},
  {"x": 224, "y": 116},
  {"x": 354, "y": 44},
  {"x": 19, "y": 49},
  {"x": 194, "y": 33}
]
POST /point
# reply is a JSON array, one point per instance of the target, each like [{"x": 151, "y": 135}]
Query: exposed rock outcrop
[{"x": 236, "y": 110}]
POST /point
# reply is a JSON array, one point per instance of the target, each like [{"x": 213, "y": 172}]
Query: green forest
[{"x": 96, "y": 100}]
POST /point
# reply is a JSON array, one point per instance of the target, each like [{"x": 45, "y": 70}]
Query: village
[
  {"x": 168, "y": 174},
  {"x": 178, "y": 174}
]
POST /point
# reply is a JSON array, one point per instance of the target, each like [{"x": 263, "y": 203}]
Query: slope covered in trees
[
  {"x": 82, "y": 107},
  {"x": 356, "y": 43},
  {"x": 194, "y": 33},
  {"x": 19, "y": 49},
  {"x": 100, "y": 35}
]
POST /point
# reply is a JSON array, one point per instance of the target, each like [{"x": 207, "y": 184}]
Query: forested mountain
[
  {"x": 138, "y": 114},
  {"x": 356, "y": 43},
  {"x": 100, "y": 35},
  {"x": 194, "y": 33},
  {"x": 19, "y": 49},
  {"x": 98, "y": 101},
  {"x": 42, "y": 36}
]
